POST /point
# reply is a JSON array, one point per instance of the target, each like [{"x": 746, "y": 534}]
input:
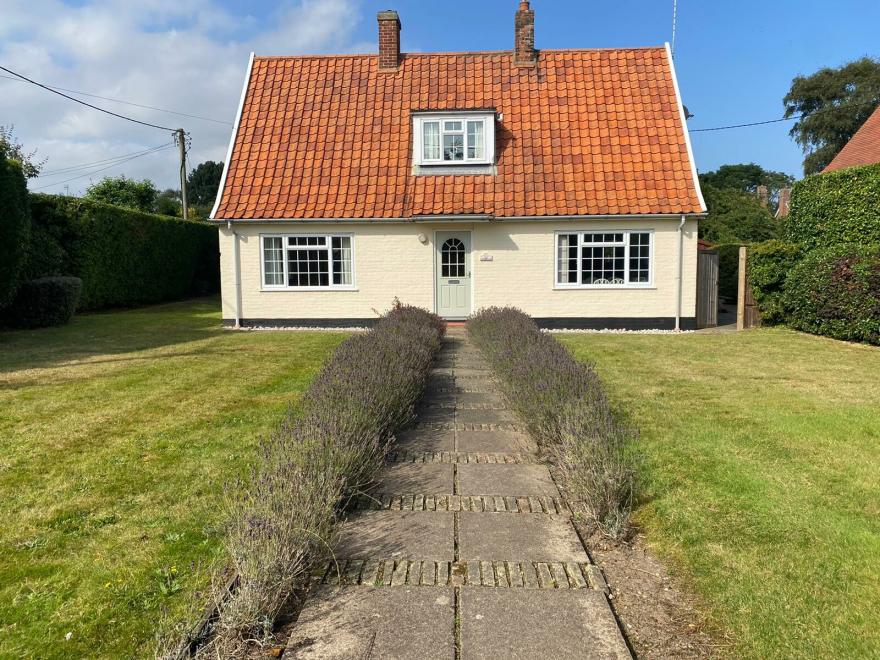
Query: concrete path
[{"x": 465, "y": 550}]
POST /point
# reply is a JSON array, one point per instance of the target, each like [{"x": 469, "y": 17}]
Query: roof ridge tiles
[{"x": 324, "y": 56}]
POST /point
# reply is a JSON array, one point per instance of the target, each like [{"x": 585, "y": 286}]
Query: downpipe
[
  {"x": 679, "y": 281},
  {"x": 236, "y": 266}
]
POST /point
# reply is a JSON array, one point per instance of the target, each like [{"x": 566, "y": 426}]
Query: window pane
[
  {"x": 452, "y": 126},
  {"x": 476, "y": 140},
  {"x": 431, "y": 140},
  {"x": 453, "y": 147},
  {"x": 273, "y": 261},
  {"x": 603, "y": 265},
  {"x": 308, "y": 264},
  {"x": 640, "y": 257},
  {"x": 342, "y": 260},
  {"x": 452, "y": 260},
  {"x": 567, "y": 259}
]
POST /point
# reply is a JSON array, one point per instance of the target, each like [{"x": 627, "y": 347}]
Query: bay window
[
  {"x": 307, "y": 261},
  {"x": 604, "y": 259}
]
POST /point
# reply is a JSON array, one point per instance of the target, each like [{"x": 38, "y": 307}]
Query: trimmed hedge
[
  {"x": 124, "y": 257},
  {"x": 836, "y": 292},
  {"x": 281, "y": 518},
  {"x": 15, "y": 223},
  {"x": 564, "y": 406},
  {"x": 769, "y": 265},
  {"x": 44, "y": 302},
  {"x": 837, "y": 207}
]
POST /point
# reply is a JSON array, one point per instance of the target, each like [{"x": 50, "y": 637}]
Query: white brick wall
[{"x": 391, "y": 262}]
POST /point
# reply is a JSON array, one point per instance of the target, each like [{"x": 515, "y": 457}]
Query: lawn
[
  {"x": 761, "y": 476},
  {"x": 117, "y": 434}
]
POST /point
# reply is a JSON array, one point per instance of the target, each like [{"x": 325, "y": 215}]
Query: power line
[
  {"x": 88, "y": 105},
  {"x": 674, "y": 22},
  {"x": 873, "y": 101},
  {"x": 151, "y": 151},
  {"x": 73, "y": 168},
  {"x": 131, "y": 103}
]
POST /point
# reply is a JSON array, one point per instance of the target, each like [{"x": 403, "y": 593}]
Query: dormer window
[{"x": 449, "y": 139}]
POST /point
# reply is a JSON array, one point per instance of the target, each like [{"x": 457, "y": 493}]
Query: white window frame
[
  {"x": 285, "y": 247},
  {"x": 488, "y": 119},
  {"x": 626, "y": 240}
]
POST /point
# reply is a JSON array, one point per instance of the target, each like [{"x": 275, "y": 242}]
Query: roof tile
[{"x": 587, "y": 132}]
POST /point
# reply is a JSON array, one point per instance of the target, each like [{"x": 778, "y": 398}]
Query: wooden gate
[
  {"x": 747, "y": 314},
  {"x": 707, "y": 289}
]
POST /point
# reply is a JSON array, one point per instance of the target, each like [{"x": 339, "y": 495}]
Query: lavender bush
[
  {"x": 282, "y": 515},
  {"x": 563, "y": 404}
]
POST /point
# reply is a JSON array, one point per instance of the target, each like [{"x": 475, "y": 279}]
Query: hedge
[
  {"x": 282, "y": 515},
  {"x": 43, "y": 303},
  {"x": 123, "y": 257},
  {"x": 837, "y": 207},
  {"x": 563, "y": 404},
  {"x": 769, "y": 265},
  {"x": 836, "y": 292},
  {"x": 15, "y": 225}
]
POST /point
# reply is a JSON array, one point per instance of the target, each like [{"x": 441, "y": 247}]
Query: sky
[{"x": 735, "y": 61}]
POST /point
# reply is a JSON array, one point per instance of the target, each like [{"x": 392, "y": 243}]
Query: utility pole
[{"x": 180, "y": 138}]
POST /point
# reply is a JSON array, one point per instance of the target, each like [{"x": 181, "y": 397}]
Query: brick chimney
[
  {"x": 389, "y": 41},
  {"x": 784, "y": 203},
  {"x": 763, "y": 196},
  {"x": 524, "y": 53}
]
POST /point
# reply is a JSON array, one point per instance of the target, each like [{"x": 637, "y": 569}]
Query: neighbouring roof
[
  {"x": 862, "y": 149},
  {"x": 586, "y": 132}
]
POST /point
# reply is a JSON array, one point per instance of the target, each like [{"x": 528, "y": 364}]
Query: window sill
[
  {"x": 297, "y": 289},
  {"x": 602, "y": 287}
]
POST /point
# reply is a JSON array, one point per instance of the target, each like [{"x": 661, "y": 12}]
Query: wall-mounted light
[{"x": 423, "y": 239}]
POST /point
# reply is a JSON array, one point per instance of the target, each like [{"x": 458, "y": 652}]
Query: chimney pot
[
  {"x": 524, "y": 53},
  {"x": 389, "y": 41}
]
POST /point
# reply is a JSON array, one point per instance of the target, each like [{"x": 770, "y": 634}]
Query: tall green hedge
[
  {"x": 15, "y": 224},
  {"x": 837, "y": 207},
  {"x": 123, "y": 257},
  {"x": 836, "y": 292},
  {"x": 770, "y": 263}
]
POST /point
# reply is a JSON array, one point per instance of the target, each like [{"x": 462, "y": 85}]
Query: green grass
[
  {"x": 761, "y": 476},
  {"x": 117, "y": 434}
]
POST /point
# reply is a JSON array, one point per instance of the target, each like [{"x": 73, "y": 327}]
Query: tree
[
  {"x": 746, "y": 178},
  {"x": 125, "y": 192},
  {"x": 168, "y": 203},
  {"x": 13, "y": 150},
  {"x": 202, "y": 185},
  {"x": 833, "y": 104},
  {"x": 735, "y": 217},
  {"x": 15, "y": 226}
]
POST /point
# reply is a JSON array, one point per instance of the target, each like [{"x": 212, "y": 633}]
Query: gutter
[{"x": 679, "y": 282}]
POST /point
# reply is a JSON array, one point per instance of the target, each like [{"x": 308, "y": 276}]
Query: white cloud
[{"x": 186, "y": 56}]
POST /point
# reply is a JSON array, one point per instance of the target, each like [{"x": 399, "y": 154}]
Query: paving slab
[
  {"x": 435, "y": 415},
  {"x": 527, "y": 624},
  {"x": 370, "y": 622},
  {"x": 477, "y": 398},
  {"x": 494, "y": 442},
  {"x": 488, "y": 416},
  {"x": 417, "y": 440},
  {"x": 518, "y": 480},
  {"x": 518, "y": 537},
  {"x": 423, "y": 478},
  {"x": 482, "y": 385},
  {"x": 397, "y": 535}
]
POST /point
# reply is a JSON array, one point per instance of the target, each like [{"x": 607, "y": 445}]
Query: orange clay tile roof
[
  {"x": 862, "y": 149},
  {"x": 586, "y": 132}
]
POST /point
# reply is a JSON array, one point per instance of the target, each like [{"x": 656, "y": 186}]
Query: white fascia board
[
  {"x": 244, "y": 89},
  {"x": 687, "y": 137}
]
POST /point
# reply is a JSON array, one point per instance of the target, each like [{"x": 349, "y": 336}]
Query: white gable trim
[
  {"x": 687, "y": 137},
  {"x": 247, "y": 79}
]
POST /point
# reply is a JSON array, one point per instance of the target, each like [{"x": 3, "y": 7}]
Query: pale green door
[{"x": 454, "y": 274}]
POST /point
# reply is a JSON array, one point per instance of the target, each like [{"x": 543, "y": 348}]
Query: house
[
  {"x": 561, "y": 182},
  {"x": 863, "y": 148}
]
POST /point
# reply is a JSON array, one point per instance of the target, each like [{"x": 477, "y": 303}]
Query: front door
[{"x": 454, "y": 274}]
